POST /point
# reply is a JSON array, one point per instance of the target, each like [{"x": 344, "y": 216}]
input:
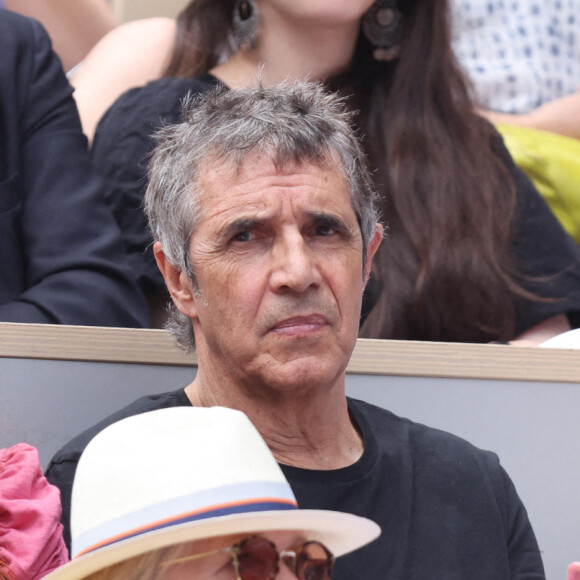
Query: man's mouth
[{"x": 300, "y": 325}]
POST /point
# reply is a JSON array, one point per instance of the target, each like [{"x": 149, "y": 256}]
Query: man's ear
[
  {"x": 372, "y": 250},
  {"x": 178, "y": 283}
]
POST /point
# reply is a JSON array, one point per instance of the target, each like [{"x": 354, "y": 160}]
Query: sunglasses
[{"x": 256, "y": 558}]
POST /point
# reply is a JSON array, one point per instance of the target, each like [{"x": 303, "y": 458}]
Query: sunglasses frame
[{"x": 285, "y": 556}]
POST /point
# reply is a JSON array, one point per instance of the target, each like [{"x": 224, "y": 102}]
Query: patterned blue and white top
[{"x": 519, "y": 54}]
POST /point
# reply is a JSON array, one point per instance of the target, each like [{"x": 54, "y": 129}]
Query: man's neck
[{"x": 311, "y": 430}]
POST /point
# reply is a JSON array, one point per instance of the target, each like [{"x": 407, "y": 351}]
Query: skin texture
[
  {"x": 279, "y": 273},
  {"x": 321, "y": 34},
  {"x": 315, "y": 12}
]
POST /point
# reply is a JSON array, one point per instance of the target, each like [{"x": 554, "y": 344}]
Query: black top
[
  {"x": 62, "y": 258},
  {"x": 543, "y": 251},
  {"x": 122, "y": 144},
  {"x": 447, "y": 510}
]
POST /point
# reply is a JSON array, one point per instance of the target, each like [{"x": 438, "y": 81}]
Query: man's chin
[
  {"x": 289, "y": 350},
  {"x": 313, "y": 349},
  {"x": 308, "y": 367}
]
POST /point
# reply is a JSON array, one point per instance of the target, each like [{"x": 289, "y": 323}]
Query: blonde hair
[
  {"x": 6, "y": 572},
  {"x": 143, "y": 567}
]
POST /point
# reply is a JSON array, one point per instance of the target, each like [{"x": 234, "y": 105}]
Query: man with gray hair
[
  {"x": 224, "y": 132},
  {"x": 262, "y": 211}
]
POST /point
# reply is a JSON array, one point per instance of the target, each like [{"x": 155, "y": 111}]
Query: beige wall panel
[{"x": 126, "y": 10}]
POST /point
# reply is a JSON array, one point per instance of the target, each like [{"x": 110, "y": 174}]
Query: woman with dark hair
[{"x": 473, "y": 253}]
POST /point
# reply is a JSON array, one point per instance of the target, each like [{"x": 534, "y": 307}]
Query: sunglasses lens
[
  {"x": 257, "y": 559},
  {"x": 314, "y": 562}
]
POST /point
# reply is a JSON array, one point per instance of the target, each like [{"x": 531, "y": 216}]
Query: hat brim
[{"x": 339, "y": 532}]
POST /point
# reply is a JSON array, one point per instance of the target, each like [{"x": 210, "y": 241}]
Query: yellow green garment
[{"x": 552, "y": 162}]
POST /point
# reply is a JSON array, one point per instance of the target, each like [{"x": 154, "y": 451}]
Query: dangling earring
[
  {"x": 382, "y": 25},
  {"x": 246, "y": 19}
]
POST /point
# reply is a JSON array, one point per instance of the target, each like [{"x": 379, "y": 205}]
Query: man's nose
[{"x": 295, "y": 265}]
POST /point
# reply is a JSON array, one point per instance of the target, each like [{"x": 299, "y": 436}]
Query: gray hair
[{"x": 290, "y": 123}]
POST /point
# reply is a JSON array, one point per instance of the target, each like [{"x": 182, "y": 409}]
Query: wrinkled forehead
[{"x": 227, "y": 170}]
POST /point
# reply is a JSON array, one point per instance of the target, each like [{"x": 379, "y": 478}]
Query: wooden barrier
[
  {"x": 126, "y": 10},
  {"x": 377, "y": 357}
]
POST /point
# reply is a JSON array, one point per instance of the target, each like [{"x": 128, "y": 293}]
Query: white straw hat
[{"x": 182, "y": 474}]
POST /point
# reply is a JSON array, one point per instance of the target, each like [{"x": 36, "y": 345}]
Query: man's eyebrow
[
  {"x": 319, "y": 218},
  {"x": 333, "y": 221}
]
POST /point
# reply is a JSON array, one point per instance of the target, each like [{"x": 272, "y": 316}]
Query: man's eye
[
  {"x": 324, "y": 230},
  {"x": 243, "y": 237}
]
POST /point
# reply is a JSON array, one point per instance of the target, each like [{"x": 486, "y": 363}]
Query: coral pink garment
[
  {"x": 31, "y": 541},
  {"x": 574, "y": 571}
]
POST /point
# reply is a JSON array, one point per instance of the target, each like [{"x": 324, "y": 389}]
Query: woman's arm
[
  {"x": 129, "y": 56},
  {"x": 561, "y": 116}
]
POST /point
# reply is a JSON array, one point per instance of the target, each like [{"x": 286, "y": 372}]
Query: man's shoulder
[
  {"x": 425, "y": 444},
  {"x": 74, "y": 448}
]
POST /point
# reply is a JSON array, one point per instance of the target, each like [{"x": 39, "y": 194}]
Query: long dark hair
[
  {"x": 203, "y": 36},
  {"x": 445, "y": 269}
]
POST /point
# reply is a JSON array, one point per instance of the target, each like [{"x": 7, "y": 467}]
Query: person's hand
[{"x": 574, "y": 571}]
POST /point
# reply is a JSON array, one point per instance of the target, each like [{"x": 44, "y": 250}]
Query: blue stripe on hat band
[
  {"x": 225, "y": 511},
  {"x": 237, "y": 498}
]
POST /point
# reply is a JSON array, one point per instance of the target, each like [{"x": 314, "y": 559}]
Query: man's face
[{"x": 278, "y": 263}]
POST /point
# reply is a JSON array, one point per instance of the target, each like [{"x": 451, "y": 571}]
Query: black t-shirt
[
  {"x": 543, "y": 252},
  {"x": 447, "y": 510}
]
